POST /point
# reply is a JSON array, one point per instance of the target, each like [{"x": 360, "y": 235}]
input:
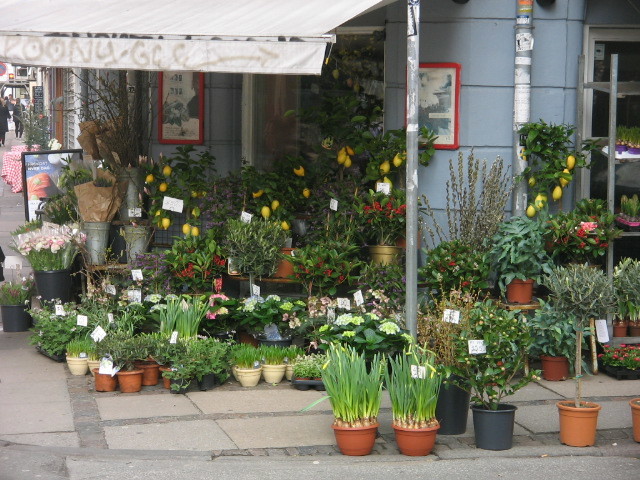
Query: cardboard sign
[
  {"x": 136, "y": 275},
  {"x": 60, "y": 311},
  {"x": 418, "y": 371},
  {"x": 174, "y": 337},
  {"x": 383, "y": 187}
]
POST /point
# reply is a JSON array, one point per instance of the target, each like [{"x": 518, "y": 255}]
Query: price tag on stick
[
  {"x": 333, "y": 204},
  {"x": 344, "y": 303},
  {"x": 477, "y": 347},
  {"x": 82, "y": 320},
  {"x": 359, "y": 299},
  {"x": 602, "y": 332},
  {"x": 98, "y": 334},
  {"x": 136, "y": 275},
  {"x": 173, "y": 204},
  {"x": 451, "y": 316},
  {"x": 60, "y": 311}
]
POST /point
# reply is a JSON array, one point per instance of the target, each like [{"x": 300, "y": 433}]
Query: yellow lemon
[
  {"x": 158, "y": 213},
  {"x": 539, "y": 201},
  {"x": 571, "y": 162},
  {"x": 349, "y": 150},
  {"x": 150, "y": 178},
  {"x": 186, "y": 229},
  {"x": 557, "y": 193},
  {"x": 274, "y": 205},
  {"x": 532, "y": 181},
  {"x": 335, "y": 73},
  {"x": 195, "y": 212},
  {"x": 385, "y": 167},
  {"x": 202, "y": 194},
  {"x": 265, "y": 212},
  {"x": 347, "y": 162},
  {"x": 299, "y": 171},
  {"x": 195, "y": 231},
  {"x": 166, "y": 171},
  {"x": 166, "y": 222},
  {"x": 342, "y": 156},
  {"x": 398, "y": 160},
  {"x": 563, "y": 181},
  {"x": 306, "y": 193},
  {"x": 257, "y": 194},
  {"x": 531, "y": 211},
  {"x": 285, "y": 225},
  {"x": 163, "y": 187}
]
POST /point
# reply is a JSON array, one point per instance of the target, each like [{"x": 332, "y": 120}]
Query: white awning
[{"x": 251, "y": 36}]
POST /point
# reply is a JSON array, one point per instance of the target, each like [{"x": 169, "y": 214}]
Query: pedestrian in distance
[
  {"x": 4, "y": 120},
  {"x": 18, "y": 109}
]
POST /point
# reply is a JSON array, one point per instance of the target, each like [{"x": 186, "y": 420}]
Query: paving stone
[
  {"x": 235, "y": 453},
  {"x": 258, "y": 452},
  {"x": 308, "y": 450},
  {"x": 276, "y": 452},
  {"x": 612, "y": 434},
  {"x": 292, "y": 451}
]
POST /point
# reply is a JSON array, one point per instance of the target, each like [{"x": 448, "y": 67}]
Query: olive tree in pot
[
  {"x": 518, "y": 257},
  {"x": 554, "y": 341},
  {"x": 581, "y": 292},
  {"x": 490, "y": 351}
]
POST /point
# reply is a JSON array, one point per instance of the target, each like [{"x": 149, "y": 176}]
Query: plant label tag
[
  {"x": 134, "y": 296},
  {"x": 82, "y": 320},
  {"x": 12, "y": 262},
  {"x": 134, "y": 212},
  {"x": 477, "y": 347},
  {"x": 344, "y": 303},
  {"x": 173, "y": 204},
  {"x": 333, "y": 205},
  {"x": 255, "y": 290},
  {"x": 359, "y": 299},
  {"x": 98, "y": 334},
  {"x": 601, "y": 331},
  {"x": 106, "y": 367},
  {"x": 246, "y": 217},
  {"x": 383, "y": 187},
  {"x": 418, "y": 371},
  {"x": 82, "y": 355},
  {"x": 60, "y": 311},
  {"x": 174, "y": 337},
  {"x": 331, "y": 314},
  {"x": 451, "y": 316},
  {"x": 110, "y": 289},
  {"x": 136, "y": 274},
  {"x": 110, "y": 317}
]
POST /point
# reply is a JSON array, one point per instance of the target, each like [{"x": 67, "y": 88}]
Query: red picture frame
[
  {"x": 439, "y": 102},
  {"x": 181, "y": 107}
]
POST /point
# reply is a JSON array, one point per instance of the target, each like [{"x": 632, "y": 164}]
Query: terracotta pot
[
  {"x": 619, "y": 330},
  {"x": 246, "y": 337},
  {"x": 130, "y": 381},
  {"x": 285, "y": 267},
  {"x": 634, "y": 330},
  {"x": 150, "y": 372},
  {"x": 385, "y": 254},
  {"x": 249, "y": 377},
  {"x": 554, "y": 368},
  {"x": 104, "y": 382},
  {"x": 578, "y": 425},
  {"x": 355, "y": 441},
  {"x": 520, "y": 291},
  {"x": 415, "y": 442},
  {"x": 273, "y": 373},
  {"x": 77, "y": 366},
  {"x": 635, "y": 417},
  {"x": 166, "y": 382}
]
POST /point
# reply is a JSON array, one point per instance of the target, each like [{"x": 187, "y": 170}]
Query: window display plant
[
  {"x": 626, "y": 284},
  {"x": 629, "y": 209}
]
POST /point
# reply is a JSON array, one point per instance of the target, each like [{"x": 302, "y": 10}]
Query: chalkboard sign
[{"x": 40, "y": 176}]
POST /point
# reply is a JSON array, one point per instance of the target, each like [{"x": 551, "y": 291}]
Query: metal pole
[
  {"x": 521, "y": 96},
  {"x": 413, "y": 41}
]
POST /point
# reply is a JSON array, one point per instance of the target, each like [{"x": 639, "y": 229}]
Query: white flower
[{"x": 389, "y": 328}]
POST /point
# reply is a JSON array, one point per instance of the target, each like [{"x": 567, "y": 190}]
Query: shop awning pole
[{"x": 413, "y": 42}]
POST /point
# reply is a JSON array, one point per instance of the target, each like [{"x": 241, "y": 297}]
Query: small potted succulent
[
  {"x": 491, "y": 350},
  {"x": 581, "y": 292},
  {"x": 518, "y": 257}
]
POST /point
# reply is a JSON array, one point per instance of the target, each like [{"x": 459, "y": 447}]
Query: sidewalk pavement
[{"x": 42, "y": 404}]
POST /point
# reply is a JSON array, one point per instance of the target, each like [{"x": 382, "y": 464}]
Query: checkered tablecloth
[{"x": 12, "y": 170}]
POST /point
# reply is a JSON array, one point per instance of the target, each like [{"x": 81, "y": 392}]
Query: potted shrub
[
  {"x": 273, "y": 366},
  {"x": 581, "y": 292},
  {"x": 124, "y": 350},
  {"x": 355, "y": 392},
  {"x": 246, "y": 367},
  {"x": 413, "y": 384},
  {"x": 182, "y": 368},
  {"x": 626, "y": 283},
  {"x": 15, "y": 300},
  {"x": 554, "y": 341},
  {"x": 53, "y": 332},
  {"x": 209, "y": 362},
  {"x": 518, "y": 257},
  {"x": 439, "y": 324},
  {"x": 77, "y": 356},
  {"x": 383, "y": 223},
  {"x": 490, "y": 351},
  {"x": 270, "y": 319}
]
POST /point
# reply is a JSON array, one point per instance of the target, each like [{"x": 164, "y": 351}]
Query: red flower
[
  {"x": 582, "y": 245},
  {"x": 451, "y": 264}
]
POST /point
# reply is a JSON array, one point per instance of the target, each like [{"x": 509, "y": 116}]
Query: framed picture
[
  {"x": 181, "y": 107},
  {"x": 439, "y": 102},
  {"x": 41, "y": 174}
]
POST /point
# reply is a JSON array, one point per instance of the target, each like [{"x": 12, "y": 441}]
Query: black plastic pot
[
  {"x": 15, "y": 318},
  {"x": 275, "y": 343},
  {"x": 208, "y": 382},
  {"x": 300, "y": 384},
  {"x": 452, "y": 409},
  {"x": 494, "y": 428},
  {"x": 54, "y": 284}
]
